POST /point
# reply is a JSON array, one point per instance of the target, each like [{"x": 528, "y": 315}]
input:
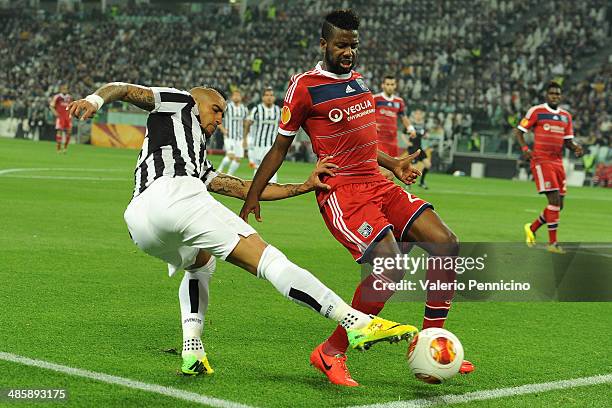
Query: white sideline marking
[
  {"x": 71, "y": 178},
  {"x": 495, "y": 393},
  {"x": 125, "y": 382},
  {"x": 6, "y": 171},
  {"x": 7, "y": 174}
]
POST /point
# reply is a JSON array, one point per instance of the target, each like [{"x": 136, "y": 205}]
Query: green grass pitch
[{"x": 75, "y": 291}]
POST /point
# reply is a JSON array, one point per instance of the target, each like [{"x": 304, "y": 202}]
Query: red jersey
[
  {"x": 551, "y": 128},
  {"x": 338, "y": 114},
  {"x": 388, "y": 111},
  {"x": 60, "y": 102}
]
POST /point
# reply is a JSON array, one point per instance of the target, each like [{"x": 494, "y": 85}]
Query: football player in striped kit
[
  {"x": 173, "y": 217},
  {"x": 232, "y": 128},
  {"x": 263, "y": 125}
]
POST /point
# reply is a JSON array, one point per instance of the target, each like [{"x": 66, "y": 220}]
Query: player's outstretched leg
[
  {"x": 299, "y": 285},
  {"x": 193, "y": 298}
]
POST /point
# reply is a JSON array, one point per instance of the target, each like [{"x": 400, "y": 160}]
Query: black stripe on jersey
[
  {"x": 158, "y": 162},
  {"x": 188, "y": 123},
  {"x": 160, "y": 131},
  {"x": 175, "y": 97},
  {"x": 144, "y": 175},
  {"x": 209, "y": 169}
]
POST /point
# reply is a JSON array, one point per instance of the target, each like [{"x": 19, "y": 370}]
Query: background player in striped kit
[
  {"x": 263, "y": 124},
  {"x": 232, "y": 128}
]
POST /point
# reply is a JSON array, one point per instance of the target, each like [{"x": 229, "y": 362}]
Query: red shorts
[
  {"x": 549, "y": 176},
  {"x": 360, "y": 214},
  {"x": 63, "y": 123}
]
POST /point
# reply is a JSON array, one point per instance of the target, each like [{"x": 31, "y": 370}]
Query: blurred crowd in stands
[{"x": 470, "y": 65}]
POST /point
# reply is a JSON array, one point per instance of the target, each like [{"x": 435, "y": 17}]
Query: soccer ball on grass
[{"x": 435, "y": 355}]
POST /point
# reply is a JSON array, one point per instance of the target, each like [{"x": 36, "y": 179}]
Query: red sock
[
  {"x": 367, "y": 300},
  {"x": 538, "y": 222},
  {"x": 67, "y": 140},
  {"x": 551, "y": 213},
  {"x": 438, "y": 301},
  {"x": 435, "y": 314}
]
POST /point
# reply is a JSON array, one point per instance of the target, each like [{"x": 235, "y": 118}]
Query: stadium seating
[{"x": 469, "y": 64}]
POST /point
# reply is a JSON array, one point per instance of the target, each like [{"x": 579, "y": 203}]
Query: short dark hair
[
  {"x": 553, "y": 84},
  {"x": 388, "y": 76},
  {"x": 267, "y": 89},
  {"x": 344, "y": 19}
]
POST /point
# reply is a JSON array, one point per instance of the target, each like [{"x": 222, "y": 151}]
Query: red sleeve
[
  {"x": 296, "y": 106},
  {"x": 569, "y": 128},
  {"x": 54, "y": 100},
  {"x": 528, "y": 121}
]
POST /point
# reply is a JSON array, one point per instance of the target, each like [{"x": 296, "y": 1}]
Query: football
[{"x": 435, "y": 355}]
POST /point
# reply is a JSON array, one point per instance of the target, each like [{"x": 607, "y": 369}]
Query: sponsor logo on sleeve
[{"x": 524, "y": 122}]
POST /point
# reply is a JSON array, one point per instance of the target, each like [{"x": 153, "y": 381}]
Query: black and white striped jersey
[
  {"x": 174, "y": 144},
  {"x": 233, "y": 120},
  {"x": 265, "y": 125}
]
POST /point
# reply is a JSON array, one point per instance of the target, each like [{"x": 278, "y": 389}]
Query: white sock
[
  {"x": 226, "y": 160},
  {"x": 274, "y": 178},
  {"x": 302, "y": 287},
  {"x": 233, "y": 167},
  {"x": 193, "y": 298}
]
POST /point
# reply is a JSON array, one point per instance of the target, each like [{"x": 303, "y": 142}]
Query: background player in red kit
[
  {"x": 388, "y": 108},
  {"x": 364, "y": 211},
  {"x": 63, "y": 122},
  {"x": 553, "y": 130}
]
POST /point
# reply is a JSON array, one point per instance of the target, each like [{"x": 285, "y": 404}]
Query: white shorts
[
  {"x": 259, "y": 152},
  {"x": 175, "y": 217},
  {"x": 234, "y": 146}
]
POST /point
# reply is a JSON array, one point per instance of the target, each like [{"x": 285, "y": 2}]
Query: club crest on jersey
[
  {"x": 335, "y": 115},
  {"x": 362, "y": 84},
  {"x": 285, "y": 115},
  {"x": 365, "y": 230}
]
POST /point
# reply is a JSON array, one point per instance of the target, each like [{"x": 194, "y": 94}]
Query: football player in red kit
[
  {"x": 63, "y": 122},
  {"x": 553, "y": 130},
  {"x": 390, "y": 107},
  {"x": 364, "y": 211}
]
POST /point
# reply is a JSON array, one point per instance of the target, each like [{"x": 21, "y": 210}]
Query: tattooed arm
[
  {"x": 234, "y": 187},
  {"x": 231, "y": 186},
  {"x": 137, "y": 95}
]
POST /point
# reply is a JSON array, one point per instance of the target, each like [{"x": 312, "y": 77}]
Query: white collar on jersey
[
  {"x": 385, "y": 97},
  {"x": 320, "y": 70},
  {"x": 551, "y": 109}
]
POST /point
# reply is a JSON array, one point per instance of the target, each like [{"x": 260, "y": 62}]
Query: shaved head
[
  {"x": 205, "y": 93},
  {"x": 211, "y": 106}
]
